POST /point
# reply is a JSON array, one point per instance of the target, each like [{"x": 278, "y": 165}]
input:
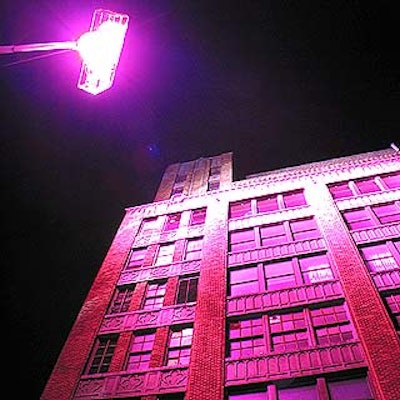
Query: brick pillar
[
  {"x": 206, "y": 369},
  {"x": 65, "y": 376},
  {"x": 375, "y": 329},
  {"x": 167, "y": 182}
]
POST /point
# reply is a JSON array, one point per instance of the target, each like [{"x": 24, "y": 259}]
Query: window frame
[
  {"x": 154, "y": 301},
  {"x": 140, "y": 352},
  {"x": 121, "y": 300},
  {"x": 182, "y": 348},
  {"x": 184, "y": 294},
  {"x": 104, "y": 347}
]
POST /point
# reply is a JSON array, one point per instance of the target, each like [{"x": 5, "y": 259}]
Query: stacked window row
[
  {"x": 154, "y": 295},
  {"x": 352, "y": 386},
  {"x": 286, "y": 331},
  {"x": 273, "y": 234},
  {"x": 362, "y": 186},
  {"x": 280, "y": 274},
  {"x": 171, "y": 221},
  {"x": 141, "y": 346},
  {"x": 267, "y": 204},
  {"x": 320, "y": 325},
  {"x": 165, "y": 253},
  {"x": 372, "y": 216}
]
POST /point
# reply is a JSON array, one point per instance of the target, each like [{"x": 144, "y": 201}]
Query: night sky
[{"x": 278, "y": 83}]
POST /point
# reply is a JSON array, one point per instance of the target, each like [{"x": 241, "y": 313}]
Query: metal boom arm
[{"x": 24, "y": 48}]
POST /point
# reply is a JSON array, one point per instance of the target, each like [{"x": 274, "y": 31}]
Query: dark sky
[{"x": 279, "y": 83}]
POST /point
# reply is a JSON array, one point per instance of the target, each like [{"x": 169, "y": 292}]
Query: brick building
[{"x": 281, "y": 286}]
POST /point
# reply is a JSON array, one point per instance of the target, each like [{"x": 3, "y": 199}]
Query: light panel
[{"x": 100, "y": 49}]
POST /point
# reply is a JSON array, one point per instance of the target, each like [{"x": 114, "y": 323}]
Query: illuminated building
[{"x": 281, "y": 286}]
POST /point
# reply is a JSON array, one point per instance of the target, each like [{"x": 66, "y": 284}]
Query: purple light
[{"x": 100, "y": 49}]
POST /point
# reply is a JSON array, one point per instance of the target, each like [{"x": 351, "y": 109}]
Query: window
[
  {"x": 122, "y": 299},
  {"x": 177, "y": 189},
  {"x": 149, "y": 225},
  {"x": 187, "y": 289},
  {"x": 331, "y": 325},
  {"x": 179, "y": 344},
  {"x": 340, "y": 190},
  {"x": 367, "y": 186},
  {"x": 248, "y": 394},
  {"x": 172, "y": 222},
  {"x": 165, "y": 254},
  {"x": 267, "y": 204},
  {"x": 350, "y": 389},
  {"x": 288, "y": 332},
  {"x": 304, "y": 229},
  {"x": 246, "y": 338},
  {"x": 372, "y": 216},
  {"x": 378, "y": 258},
  {"x": 294, "y": 199},
  {"x": 387, "y": 213},
  {"x": 240, "y": 209},
  {"x": 193, "y": 249},
  {"x": 289, "y": 231},
  {"x": 272, "y": 235},
  {"x": 242, "y": 240},
  {"x": 244, "y": 281},
  {"x": 140, "y": 351},
  {"x": 136, "y": 258},
  {"x": 393, "y": 304},
  {"x": 308, "y": 392},
  {"x": 279, "y": 275},
  {"x": 315, "y": 269},
  {"x": 198, "y": 217},
  {"x": 364, "y": 186},
  {"x": 392, "y": 181},
  {"x": 102, "y": 354},
  {"x": 173, "y": 396},
  {"x": 358, "y": 219},
  {"x": 154, "y": 297},
  {"x": 280, "y": 201}
]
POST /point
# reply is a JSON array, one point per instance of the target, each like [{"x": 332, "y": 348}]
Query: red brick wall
[
  {"x": 72, "y": 359},
  {"x": 206, "y": 371}
]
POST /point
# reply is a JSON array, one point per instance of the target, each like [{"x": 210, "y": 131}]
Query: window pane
[
  {"x": 357, "y": 219},
  {"x": 304, "y": 229},
  {"x": 267, "y": 204},
  {"x": 198, "y": 217},
  {"x": 165, "y": 254},
  {"x": 248, "y": 396},
  {"x": 272, "y": 235},
  {"x": 136, "y": 258},
  {"x": 392, "y": 181},
  {"x": 315, "y": 269},
  {"x": 244, "y": 281},
  {"x": 340, "y": 190},
  {"x": 378, "y": 258},
  {"x": 172, "y": 222},
  {"x": 367, "y": 186},
  {"x": 351, "y": 389},
  {"x": 240, "y": 209},
  {"x": 298, "y": 393},
  {"x": 387, "y": 213},
  {"x": 295, "y": 199}
]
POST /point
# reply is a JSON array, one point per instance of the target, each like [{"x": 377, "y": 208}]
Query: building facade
[{"x": 281, "y": 286}]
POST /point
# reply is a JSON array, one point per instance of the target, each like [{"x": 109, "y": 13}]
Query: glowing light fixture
[{"x": 100, "y": 50}]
